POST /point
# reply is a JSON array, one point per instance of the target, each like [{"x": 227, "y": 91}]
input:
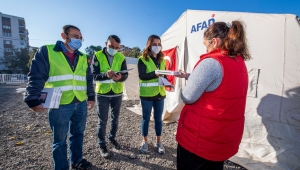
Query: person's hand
[
  {"x": 39, "y": 108},
  {"x": 182, "y": 74},
  {"x": 110, "y": 73},
  {"x": 90, "y": 104},
  {"x": 157, "y": 75},
  {"x": 117, "y": 77}
]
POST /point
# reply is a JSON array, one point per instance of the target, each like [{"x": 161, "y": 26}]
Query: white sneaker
[
  {"x": 144, "y": 147},
  {"x": 160, "y": 148}
]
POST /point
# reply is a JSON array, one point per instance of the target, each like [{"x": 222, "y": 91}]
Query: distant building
[
  {"x": 13, "y": 34},
  {"x": 124, "y": 48}
]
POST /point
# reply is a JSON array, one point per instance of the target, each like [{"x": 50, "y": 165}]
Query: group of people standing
[{"x": 210, "y": 126}]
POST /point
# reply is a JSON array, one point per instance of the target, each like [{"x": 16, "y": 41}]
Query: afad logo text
[{"x": 204, "y": 24}]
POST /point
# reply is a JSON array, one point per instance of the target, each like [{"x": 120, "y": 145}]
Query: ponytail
[
  {"x": 233, "y": 38},
  {"x": 235, "y": 41}
]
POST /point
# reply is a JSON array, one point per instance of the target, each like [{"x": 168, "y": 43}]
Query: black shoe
[
  {"x": 104, "y": 152},
  {"x": 82, "y": 165},
  {"x": 115, "y": 144}
]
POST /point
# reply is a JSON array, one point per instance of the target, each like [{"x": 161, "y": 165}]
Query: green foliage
[
  {"x": 17, "y": 60},
  {"x": 31, "y": 56},
  {"x": 135, "y": 52},
  {"x": 126, "y": 53},
  {"x": 91, "y": 50}
]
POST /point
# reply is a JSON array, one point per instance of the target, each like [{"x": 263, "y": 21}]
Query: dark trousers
[
  {"x": 158, "y": 107},
  {"x": 67, "y": 118},
  {"x": 103, "y": 104},
  {"x": 189, "y": 161}
]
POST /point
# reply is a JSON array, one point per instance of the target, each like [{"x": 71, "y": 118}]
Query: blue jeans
[
  {"x": 102, "y": 110},
  {"x": 68, "y": 117},
  {"x": 158, "y": 106}
]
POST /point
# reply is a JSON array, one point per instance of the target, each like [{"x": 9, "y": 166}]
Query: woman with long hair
[
  {"x": 151, "y": 94},
  {"x": 211, "y": 124}
]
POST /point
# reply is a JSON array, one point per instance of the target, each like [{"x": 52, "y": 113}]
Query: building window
[
  {"x": 6, "y": 27},
  {"x": 7, "y": 42},
  {"x": 6, "y": 34},
  {"x": 5, "y": 19},
  {"x": 7, "y": 49},
  {"x": 22, "y": 43}
]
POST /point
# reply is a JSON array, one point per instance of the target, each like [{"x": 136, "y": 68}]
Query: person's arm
[
  {"x": 96, "y": 71},
  {"x": 89, "y": 83},
  {"x": 37, "y": 76},
  {"x": 142, "y": 72},
  {"x": 207, "y": 76},
  {"x": 124, "y": 75}
]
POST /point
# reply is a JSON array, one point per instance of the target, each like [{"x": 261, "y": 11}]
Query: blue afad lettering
[{"x": 202, "y": 25}]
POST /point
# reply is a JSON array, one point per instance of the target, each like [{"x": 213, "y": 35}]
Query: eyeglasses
[
  {"x": 113, "y": 47},
  {"x": 75, "y": 36}
]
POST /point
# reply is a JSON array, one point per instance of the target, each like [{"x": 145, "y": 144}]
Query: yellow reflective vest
[
  {"x": 150, "y": 88},
  {"x": 105, "y": 86},
  {"x": 73, "y": 84}
]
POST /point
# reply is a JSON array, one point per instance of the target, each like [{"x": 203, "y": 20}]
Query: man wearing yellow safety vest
[
  {"x": 62, "y": 66},
  {"x": 109, "y": 88}
]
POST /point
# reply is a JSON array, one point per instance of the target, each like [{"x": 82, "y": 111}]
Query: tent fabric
[
  {"x": 272, "y": 126},
  {"x": 253, "y": 80},
  {"x": 131, "y": 85}
]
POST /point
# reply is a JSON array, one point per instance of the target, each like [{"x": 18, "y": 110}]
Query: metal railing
[{"x": 12, "y": 78}]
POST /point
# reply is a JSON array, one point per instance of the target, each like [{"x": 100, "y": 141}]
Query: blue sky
[{"x": 132, "y": 20}]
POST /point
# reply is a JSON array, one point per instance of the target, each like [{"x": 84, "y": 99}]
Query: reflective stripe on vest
[
  {"x": 73, "y": 84},
  {"x": 66, "y": 77},
  {"x": 67, "y": 88},
  {"x": 148, "y": 84},
  {"x": 150, "y": 88},
  {"x": 107, "y": 81},
  {"x": 105, "y": 86}
]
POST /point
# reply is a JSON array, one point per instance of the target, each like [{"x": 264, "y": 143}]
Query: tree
[
  {"x": 91, "y": 50},
  {"x": 31, "y": 56},
  {"x": 126, "y": 53},
  {"x": 17, "y": 60},
  {"x": 135, "y": 52}
]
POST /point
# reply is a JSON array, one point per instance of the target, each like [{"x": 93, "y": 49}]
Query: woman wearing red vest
[{"x": 211, "y": 123}]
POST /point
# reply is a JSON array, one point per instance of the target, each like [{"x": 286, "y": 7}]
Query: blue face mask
[
  {"x": 111, "y": 51},
  {"x": 75, "y": 44}
]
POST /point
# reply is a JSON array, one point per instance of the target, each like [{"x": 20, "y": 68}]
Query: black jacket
[
  {"x": 39, "y": 74},
  {"x": 98, "y": 76}
]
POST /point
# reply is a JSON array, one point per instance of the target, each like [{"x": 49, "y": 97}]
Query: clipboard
[{"x": 124, "y": 71}]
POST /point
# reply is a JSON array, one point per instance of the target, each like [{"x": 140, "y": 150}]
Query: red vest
[{"x": 212, "y": 127}]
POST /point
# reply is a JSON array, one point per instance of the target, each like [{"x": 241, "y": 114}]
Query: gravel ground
[{"x": 25, "y": 141}]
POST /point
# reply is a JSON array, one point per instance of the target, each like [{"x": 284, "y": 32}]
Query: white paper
[
  {"x": 168, "y": 72},
  {"x": 164, "y": 82},
  {"x": 124, "y": 71},
  {"x": 53, "y": 99},
  {"x": 46, "y": 97},
  {"x": 50, "y": 97},
  {"x": 58, "y": 97}
]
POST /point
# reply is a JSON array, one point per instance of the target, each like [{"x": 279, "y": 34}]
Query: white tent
[
  {"x": 131, "y": 85},
  {"x": 271, "y": 138}
]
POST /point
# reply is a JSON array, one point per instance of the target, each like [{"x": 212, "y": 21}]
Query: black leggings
[{"x": 189, "y": 161}]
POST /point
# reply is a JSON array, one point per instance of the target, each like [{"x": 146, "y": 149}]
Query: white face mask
[
  {"x": 155, "y": 49},
  {"x": 111, "y": 51}
]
